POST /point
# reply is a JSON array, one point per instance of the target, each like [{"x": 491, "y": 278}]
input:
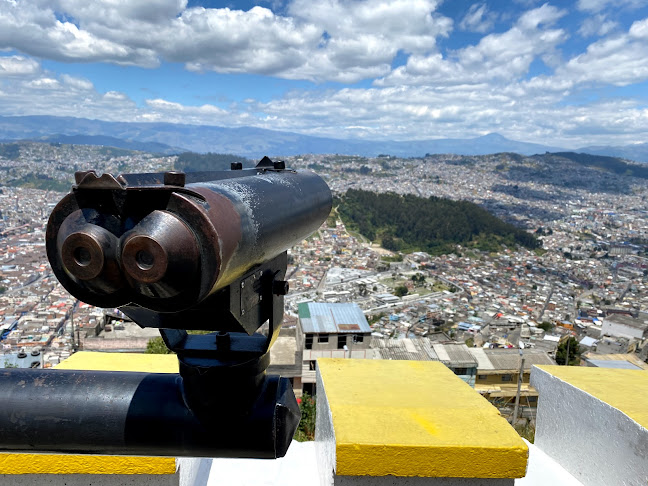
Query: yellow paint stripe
[
  {"x": 79, "y": 464},
  {"x": 153, "y": 363},
  {"x": 625, "y": 390},
  {"x": 416, "y": 418}
]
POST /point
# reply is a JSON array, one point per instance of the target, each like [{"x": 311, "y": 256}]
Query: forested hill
[{"x": 435, "y": 225}]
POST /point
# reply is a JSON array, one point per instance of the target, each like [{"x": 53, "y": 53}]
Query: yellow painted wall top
[
  {"x": 416, "y": 418},
  {"x": 150, "y": 363}
]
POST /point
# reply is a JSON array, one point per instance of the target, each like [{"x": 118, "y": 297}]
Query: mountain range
[{"x": 171, "y": 138}]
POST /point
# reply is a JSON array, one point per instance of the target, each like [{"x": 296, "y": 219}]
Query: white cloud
[
  {"x": 474, "y": 90},
  {"x": 27, "y": 28},
  {"x": 36, "y": 92},
  {"x": 505, "y": 56},
  {"x": 597, "y": 25},
  {"x": 617, "y": 60},
  {"x": 423, "y": 112},
  {"x": 336, "y": 40},
  {"x": 478, "y": 19},
  {"x": 18, "y": 66},
  {"x": 77, "y": 83},
  {"x": 599, "y": 5}
]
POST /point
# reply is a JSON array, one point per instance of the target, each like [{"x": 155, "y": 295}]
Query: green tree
[
  {"x": 156, "y": 346},
  {"x": 306, "y": 428},
  {"x": 418, "y": 278},
  {"x": 546, "y": 326},
  {"x": 400, "y": 291},
  {"x": 568, "y": 352}
]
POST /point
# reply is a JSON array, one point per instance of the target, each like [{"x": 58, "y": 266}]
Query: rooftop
[
  {"x": 332, "y": 318},
  {"x": 639, "y": 323}
]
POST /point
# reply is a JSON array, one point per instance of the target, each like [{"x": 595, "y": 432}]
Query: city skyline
[{"x": 562, "y": 73}]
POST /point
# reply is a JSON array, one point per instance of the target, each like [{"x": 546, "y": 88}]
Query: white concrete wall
[{"x": 597, "y": 444}]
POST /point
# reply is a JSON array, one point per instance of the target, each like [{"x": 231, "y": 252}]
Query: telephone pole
[{"x": 519, "y": 386}]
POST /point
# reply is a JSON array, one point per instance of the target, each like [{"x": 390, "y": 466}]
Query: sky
[{"x": 561, "y": 73}]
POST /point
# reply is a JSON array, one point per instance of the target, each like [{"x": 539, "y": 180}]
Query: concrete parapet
[
  {"x": 409, "y": 423},
  {"x": 593, "y": 422}
]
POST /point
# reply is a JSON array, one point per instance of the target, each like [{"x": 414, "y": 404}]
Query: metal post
[{"x": 519, "y": 386}]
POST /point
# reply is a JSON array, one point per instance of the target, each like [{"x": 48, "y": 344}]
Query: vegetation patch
[
  {"x": 10, "y": 151},
  {"x": 41, "y": 181},
  {"x": 409, "y": 223}
]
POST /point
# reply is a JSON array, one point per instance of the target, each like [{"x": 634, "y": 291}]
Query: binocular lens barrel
[{"x": 167, "y": 249}]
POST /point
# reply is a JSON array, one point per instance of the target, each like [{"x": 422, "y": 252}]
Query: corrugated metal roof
[
  {"x": 417, "y": 349},
  {"x": 621, "y": 365},
  {"x": 509, "y": 359},
  {"x": 318, "y": 318},
  {"x": 483, "y": 363},
  {"x": 455, "y": 355}
]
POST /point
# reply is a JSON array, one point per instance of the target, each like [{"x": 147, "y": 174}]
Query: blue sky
[{"x": 561, "y": 73}]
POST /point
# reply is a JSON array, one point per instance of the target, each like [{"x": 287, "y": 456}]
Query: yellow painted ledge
[
  {"x": 84, "y": 464},
  {"x": 150, "y": 363},
  {"x": 416, "y": 418},
  {"x": 625, "y": 390},
  {"x": 90, "y": 464}
]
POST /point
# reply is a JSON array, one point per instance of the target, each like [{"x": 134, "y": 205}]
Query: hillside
[
  {"x": 609, "y": 164},
  {"x": 435, "y": 225},
  {"x": 51, "y": 166}
]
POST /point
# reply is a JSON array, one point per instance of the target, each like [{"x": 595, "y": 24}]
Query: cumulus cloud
[
  {"x": 503, "y": 56},
  {"x": 616, "y": 60},
  {"x": 35, "y": 91},
  {"x": 36, "y": 31},
  {"x": 18, "y": 66},
  {"x": 424, "y": 112},
  {"x": 338, "y": 40}
]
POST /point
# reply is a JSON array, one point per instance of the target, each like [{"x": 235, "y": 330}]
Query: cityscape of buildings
[{"x": 471, "y": 310}]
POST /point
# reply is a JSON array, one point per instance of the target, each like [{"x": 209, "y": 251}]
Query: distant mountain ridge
[
  {"x": 255, "y": 142},
  {"x": 154, "y": 147}
]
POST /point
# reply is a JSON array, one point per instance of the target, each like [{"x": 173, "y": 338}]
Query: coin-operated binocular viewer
[{"x": 174, "y": 251}]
